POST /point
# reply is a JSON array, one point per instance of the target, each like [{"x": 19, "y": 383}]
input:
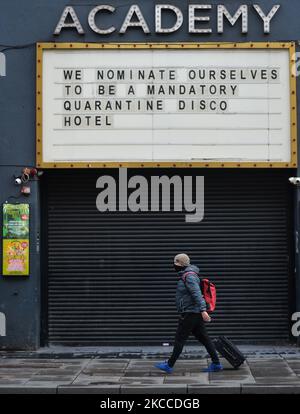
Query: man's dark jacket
[{"x": 188, "y": 294}]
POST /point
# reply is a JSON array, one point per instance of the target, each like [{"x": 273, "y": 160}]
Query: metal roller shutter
[{"x": 110, "y": 275}]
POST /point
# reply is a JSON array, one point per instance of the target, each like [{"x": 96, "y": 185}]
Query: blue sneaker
[
  {"x": 164, "y": 366},
  {"x": 213, "y": 368}
]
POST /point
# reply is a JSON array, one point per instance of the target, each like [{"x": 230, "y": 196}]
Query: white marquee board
[{"x": 154, "y": 105}]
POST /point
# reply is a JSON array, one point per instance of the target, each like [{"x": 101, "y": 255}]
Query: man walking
[{"x": 191, "y": 307}]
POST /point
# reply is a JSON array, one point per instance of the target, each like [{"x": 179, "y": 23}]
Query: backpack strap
[{"x": 185, "y": 275}]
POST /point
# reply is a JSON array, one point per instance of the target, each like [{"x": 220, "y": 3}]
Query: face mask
[{"x": 178, "y": 268}]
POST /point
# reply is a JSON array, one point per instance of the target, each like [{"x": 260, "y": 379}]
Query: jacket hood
[{"x": 190, "y": 268}]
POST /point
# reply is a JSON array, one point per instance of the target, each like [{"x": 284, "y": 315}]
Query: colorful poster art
[
  {"x": 16, "y": 221},
  {"x": 15, "y": 247},
  {"x": 15, "y": 257}
]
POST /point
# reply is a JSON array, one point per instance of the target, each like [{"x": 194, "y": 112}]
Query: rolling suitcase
[{"x": 229, "y": 351}]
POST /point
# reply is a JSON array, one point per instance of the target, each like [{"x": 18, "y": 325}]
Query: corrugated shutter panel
[{"x": 110, "y": 275}]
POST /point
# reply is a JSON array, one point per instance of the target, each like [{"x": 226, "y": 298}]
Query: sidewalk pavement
[{"x": 267, "y": 370}]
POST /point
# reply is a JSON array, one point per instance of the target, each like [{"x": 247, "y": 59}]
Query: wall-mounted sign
[
  {"x": 198, "y": 21},
  {"x": 213, "y": 105},
  {"x": 16, "y": 221},
  {"x": 15, "y": 240},
  {"x": 16, "y": 257}
]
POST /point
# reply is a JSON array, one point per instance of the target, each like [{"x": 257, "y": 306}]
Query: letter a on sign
[{"x": 68, "y": 12}]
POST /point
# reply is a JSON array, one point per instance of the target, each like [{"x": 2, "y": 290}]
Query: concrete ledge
[
  {"x": 270, "y": 389},
  {"x": 84, "y": 389},
  {"x": 154, "y": 389},
  {"x": 23, "y": 389},
  {"x": 213, "y": 389}
]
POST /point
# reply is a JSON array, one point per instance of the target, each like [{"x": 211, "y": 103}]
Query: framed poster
[
  {"x": 15, "y": 257},
  {"x": 16, "y": 221},
  {"x": 15, "y": 239}
]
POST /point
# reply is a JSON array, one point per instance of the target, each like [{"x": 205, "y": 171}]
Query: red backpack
[{"x": 208, "y": 290}]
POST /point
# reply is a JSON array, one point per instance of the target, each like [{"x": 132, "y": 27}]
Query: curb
[
  {"x": 27, "y": 390},
  {"x": 270, "y": 389},
  {"x": 215, "y": 389},
  {"x": 167, "y": 389},
  {"x": 79, "y": 389},
  {"x": 154, "y": 389}
]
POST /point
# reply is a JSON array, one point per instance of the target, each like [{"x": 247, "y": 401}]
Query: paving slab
[
  {"x": 267, "y": 363},
  {"x": 105, "y": 366},
  {"x": 238, "y": 381},
  {"x": 201, "y": 379},
  {"x": 141, "y": 381},
  {"x": 103, "y": 362},
  {"x": 13, "y": 381},
  {"x": 277, "y": 380},
  {"x": 58, "y": 373},
  {"x": 293, "y": 362},
  {"x": 116, "y": 360},
  {"x": 141, "y": 370},
  {"x": 150, "y": 365},
  {"x": 183, "y": 373},
  {"x": 140, "y": 363},
  {"x": 294, "y": 365},
  {"x": 291, "y": 357},
  {"x": 45, "y": 384},
  {"x": 47, "y": 378},
  {"x": 265, "y": 358},
  {"x": 142, "y": 374},
  {"x": 231, "y": 373},
  {"x": 70, "y": 361},
  {"x": 271, "y": 372},
  {"x": 192, "y": 370},
  {"x": 17, "y": 372},
  {"x": 99, "y": 371},
  {"x": 83, "y": 379},
  {"x": 229, "y": 383},
  {"x": 29, "y": 365},
  {"x": 189, "y": 363},
  {"x": 237, "y": 376}
]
